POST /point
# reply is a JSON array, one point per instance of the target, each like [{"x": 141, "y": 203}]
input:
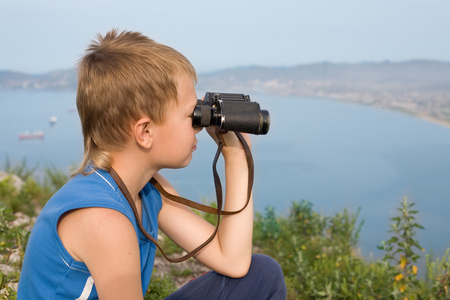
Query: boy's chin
[{"x": 182, "y": 164}]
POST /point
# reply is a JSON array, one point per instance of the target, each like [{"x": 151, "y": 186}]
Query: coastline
[
  {"x": 433, "y": 120},
  {"x": 388, "y": 106}
]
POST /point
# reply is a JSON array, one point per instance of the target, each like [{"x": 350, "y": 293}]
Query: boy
[{"x": 135, "y": 99}]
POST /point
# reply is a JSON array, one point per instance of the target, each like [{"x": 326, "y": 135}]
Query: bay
[
  {"x": 25, "y": 111},
  {"x": 335, "y": 155}
]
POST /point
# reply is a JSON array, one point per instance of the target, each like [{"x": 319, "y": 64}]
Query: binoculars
[{"x": 231, "y": 112}]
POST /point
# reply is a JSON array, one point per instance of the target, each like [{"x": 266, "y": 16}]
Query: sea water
[{"x": 333, "y": 154}]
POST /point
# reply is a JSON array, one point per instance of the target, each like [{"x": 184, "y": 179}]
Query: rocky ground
[{"x": 182, "y": 272}]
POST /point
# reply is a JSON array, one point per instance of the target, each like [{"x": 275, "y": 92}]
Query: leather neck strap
[{"x": 208, "y": 209}]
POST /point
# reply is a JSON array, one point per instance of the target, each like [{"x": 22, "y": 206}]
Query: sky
[{"x": 39, "y": 36}]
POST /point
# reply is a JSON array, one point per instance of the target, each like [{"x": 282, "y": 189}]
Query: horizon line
[{"x": 364, "y": 62}]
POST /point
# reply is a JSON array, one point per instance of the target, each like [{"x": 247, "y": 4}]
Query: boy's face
[{"x": 175, "y": 139}]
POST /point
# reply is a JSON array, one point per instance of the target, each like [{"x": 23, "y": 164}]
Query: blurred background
[{"x": 358, "y": 91}]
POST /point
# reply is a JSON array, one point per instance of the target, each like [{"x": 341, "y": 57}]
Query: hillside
[
  {"x": 419, "y": 87},
  {"x": 57, "y": 80}
]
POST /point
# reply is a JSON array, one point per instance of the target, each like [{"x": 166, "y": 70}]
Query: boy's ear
[{"x": 143, "y": 133}]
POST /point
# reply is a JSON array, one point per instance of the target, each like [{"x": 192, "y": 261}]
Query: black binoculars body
[{"x": 231, "y": 112}]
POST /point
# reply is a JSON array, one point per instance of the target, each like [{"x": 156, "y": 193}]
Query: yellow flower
[
  {"x": 403, "y": 262},
  {"x": 337, "y": 265},
  {"x": 304, "y": 247},
  {"x": 399, "y": 277},
  {"x": 402, "y": 288},
  {"x": 414, "y": 270}
]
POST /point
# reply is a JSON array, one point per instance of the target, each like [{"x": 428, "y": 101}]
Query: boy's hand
[{"x": 230, "y": 141}]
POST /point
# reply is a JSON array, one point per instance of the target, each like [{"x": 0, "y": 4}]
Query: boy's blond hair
[{"x": 123, "y": 77}]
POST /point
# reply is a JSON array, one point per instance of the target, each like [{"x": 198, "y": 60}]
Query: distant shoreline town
[{"x": 417, "y": 87}]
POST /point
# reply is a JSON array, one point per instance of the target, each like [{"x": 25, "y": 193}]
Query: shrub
[
  {"x": 400, "y": 251},
  {"x": 13, "y": 241},
  {"x": 160, "y": 287},
  {"x": 317, "y": 254},
  {"x": 438, "y": 277}
]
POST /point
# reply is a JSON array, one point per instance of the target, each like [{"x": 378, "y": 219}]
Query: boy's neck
[{"x": 133, "y": 173}]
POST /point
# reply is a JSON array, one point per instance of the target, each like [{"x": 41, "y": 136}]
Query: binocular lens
[{"x": 231, "y": 112}]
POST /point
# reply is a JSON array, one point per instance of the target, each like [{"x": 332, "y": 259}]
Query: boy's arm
[
  {"x": 105, "y": 240},
  {"x": 230, "y": 251}
]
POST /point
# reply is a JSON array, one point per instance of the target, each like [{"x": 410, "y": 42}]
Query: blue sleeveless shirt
[{"x": 49, "y": 271}]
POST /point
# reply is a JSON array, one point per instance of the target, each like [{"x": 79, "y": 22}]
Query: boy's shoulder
[{"x": 94, "y": 189}]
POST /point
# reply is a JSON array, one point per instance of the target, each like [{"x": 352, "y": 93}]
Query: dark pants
[{"x": 264, "y": 280}]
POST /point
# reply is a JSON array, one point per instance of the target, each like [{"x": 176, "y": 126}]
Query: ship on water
[{"x": 26, "y": 135}]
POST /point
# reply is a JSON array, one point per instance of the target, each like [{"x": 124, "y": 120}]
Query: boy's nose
[{"x": 197, "y": 129}]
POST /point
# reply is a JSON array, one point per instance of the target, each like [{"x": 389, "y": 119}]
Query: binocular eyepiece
[{"x": 231, "y": 112}]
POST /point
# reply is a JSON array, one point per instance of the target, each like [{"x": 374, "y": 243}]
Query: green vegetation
[
  {"x": 319, "y": 260},
  {"x": 318, "y": 253},
  {"x": 160, "y": 287}
]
